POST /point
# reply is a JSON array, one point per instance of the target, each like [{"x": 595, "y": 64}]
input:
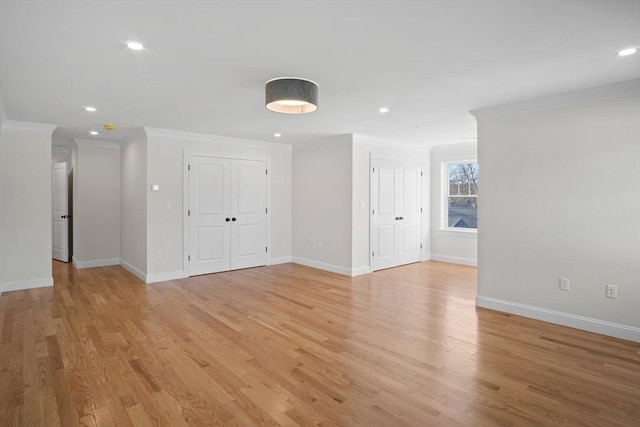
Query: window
[{"x": 462, "y": 195}]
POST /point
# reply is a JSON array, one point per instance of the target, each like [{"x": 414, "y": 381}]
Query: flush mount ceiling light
[
  {"x": 383, "y": 110},
  {"x": 628, "y": 51},
  {"x": 93, "y": 132},
  {"x": 291, "y": 95},
  {"x": 90, "y": 109}
]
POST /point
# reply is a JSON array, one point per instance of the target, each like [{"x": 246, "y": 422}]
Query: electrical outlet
[
  {"x": 313, "y": 243},
  {"x": 564, "y": 283},
  {"x": 320, "y": 244},
  {"x": 158, "y": 253},
  {"x": 612, "y": 291}
]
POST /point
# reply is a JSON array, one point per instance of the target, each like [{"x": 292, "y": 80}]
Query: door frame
[
  {"x": 420, "y": 161},
  {"x": 185, "y": 199}
]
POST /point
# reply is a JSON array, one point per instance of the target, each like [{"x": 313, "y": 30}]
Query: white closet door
[
  {"x": 209, "y": 209},
  {"x": 248, "y": 213},
  {"x": 384, "y": 188},
  {"x": 409, "y": 227},
  {"x": 60, "y": 212},
  {"x": 396, "y": 217}
]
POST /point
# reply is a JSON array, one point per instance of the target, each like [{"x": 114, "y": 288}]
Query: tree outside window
[{"x": 462, "y": 195}]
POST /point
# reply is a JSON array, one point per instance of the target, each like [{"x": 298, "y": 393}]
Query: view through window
[{"x": 462, "y": 197}]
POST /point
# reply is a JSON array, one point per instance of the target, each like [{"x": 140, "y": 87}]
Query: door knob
[
  {"x": 233, "y": 219},
  {"x": 228, "y": 219}
]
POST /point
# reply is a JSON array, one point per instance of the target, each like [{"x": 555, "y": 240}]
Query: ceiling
[{"x": 205, "y": 63}]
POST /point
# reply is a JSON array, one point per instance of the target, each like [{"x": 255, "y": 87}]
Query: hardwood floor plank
[{"x": 291, "y": 345}]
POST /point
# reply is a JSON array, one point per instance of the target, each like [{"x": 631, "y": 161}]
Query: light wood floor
[{"x": 289, "y": 345}]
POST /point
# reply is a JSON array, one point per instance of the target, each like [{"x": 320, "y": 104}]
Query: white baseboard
[
  {"x": 426, "y": 257},
  {"x": 20, "y": 285},
  {"x": 359, "y": 271},
  {"x": 95, "y": 263},
  {"x": 279, "y": 260},
  {"x": 322, "y": 266},
  {"x": 136, "y": 271},
  {"x": 169, "y": 275},
  {"x": 455, "y": 260},
  {"x": 617, "y": 330}
]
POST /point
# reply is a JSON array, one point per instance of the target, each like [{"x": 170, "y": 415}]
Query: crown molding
[
  {"x": 97, "y": 143},
  {"x": 327, "y": 141},
  {"x": 455, "y": 148},
  {"x": 389, "y": 143},
  {"x": 36, "y": 127},
  {"x": 617, "y": 90},
  {"x": 171, "y": 133}
]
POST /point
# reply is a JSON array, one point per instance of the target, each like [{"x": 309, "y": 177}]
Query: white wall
[
  {"x": 456, "y": 246},
  {"x": 25, "y": 218},
  {"x": 363, "y": 147},
  {"x": 133, "y": 204},
  {"x": 322, "y": 176},
  {"x": 165, "y": 150},
  {"x": 561, "y": 198},
  {"x": 96, "y": 216}
]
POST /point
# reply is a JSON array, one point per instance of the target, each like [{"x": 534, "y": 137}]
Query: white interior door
[
  {"x": 409, "y": 209},
  {"x": 248, "y": 213},
  {"x": 209, "y": 214},
  {"x": 396, "y": 216},
  {"x": 60, "y": 212},
  {"x": 227, "y": 212},
  {"x": 384, "y": 189}
]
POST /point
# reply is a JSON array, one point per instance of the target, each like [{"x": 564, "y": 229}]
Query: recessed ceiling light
[
  {"x": 135, "y": 45},
  {"x": 277, "y": 135},
  {"x": 628, "y": 51},
  {"x": 93, "y": 132},
  {"x": 384, "y": 110},
  {"x": 90, "y": 109}
]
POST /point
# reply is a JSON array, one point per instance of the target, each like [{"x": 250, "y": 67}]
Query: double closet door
[
  {"x": 396, "y": 213},
  {"x": 227, "y": 214}
]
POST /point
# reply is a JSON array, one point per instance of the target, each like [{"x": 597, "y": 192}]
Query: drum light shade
[{"x": 291, "y": 95}]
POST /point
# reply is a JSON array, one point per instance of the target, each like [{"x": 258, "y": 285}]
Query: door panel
[
  {"x": 249, "y": 189},
  {"x": 210, "y": 243},
  {"x": 383, "y": 236},
  {"x": 409, "y": 210},
  {"x": 209, "y": 206},
  {"x": 211, "y": 193},
  {"x": 248, "y": 207},
  {"x": 386, "y": 190},
  {"x": 60, "y": 212}
]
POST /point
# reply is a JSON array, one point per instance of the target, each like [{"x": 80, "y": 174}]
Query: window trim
[{"x": 444, "y": 199}]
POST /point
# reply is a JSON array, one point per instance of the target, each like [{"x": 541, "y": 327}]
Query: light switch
[
  {"x": 362, "y": 206},
  {"x": 168, "y": 206}
]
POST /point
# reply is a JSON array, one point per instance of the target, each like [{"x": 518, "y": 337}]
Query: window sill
[{"x": 458, "y": 232}]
